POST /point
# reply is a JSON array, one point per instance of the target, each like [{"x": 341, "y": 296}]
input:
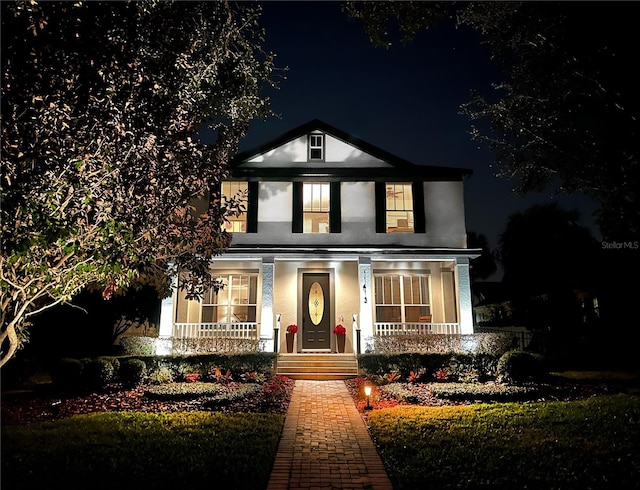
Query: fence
[
  {"x": 520, "y": 335},
  {"x": 382, "y": 328},
  {"x": 233, "y": 330}
]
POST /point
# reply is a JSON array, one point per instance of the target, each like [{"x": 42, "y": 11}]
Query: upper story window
[
  {"x": 399, "y": 207},
  {"x": 316, "y": 207},
  {"x": 316, "y": 146},
  {"x": 239, "y": 190}
]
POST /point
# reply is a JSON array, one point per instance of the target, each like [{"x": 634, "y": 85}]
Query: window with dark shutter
[
  {"x": 240, "y": 192},
  {"x": 399, "y": 207},
  {"x": 316, "y": 205}
]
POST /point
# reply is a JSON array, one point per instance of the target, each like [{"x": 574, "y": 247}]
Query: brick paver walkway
[{"x": 325, "y": 443}]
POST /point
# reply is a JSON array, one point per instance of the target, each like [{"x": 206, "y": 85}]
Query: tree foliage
[
  {"x": 567, "y": 116},
  {"x": 485, "y": 265},
  {"x": 100, "y": 105},
  {"x": 544, "y": 248},
  {"x": 547, "y": 257}
]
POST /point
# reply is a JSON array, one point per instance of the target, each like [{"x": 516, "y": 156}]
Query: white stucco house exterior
[{"x": 337, "y": 231}]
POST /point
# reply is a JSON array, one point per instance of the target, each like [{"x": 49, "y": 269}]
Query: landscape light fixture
[{"x": 367, "y": 392}]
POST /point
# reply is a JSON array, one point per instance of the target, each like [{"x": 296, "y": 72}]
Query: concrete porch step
[{"x": 317, "y": 366}]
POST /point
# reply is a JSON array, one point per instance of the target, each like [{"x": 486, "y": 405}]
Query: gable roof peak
[{"x": 360, "y": 144}]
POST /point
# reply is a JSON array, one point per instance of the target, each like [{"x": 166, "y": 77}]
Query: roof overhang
[
  {"x": 390, "y": 252},
  {"x": 416, "y": 173}
]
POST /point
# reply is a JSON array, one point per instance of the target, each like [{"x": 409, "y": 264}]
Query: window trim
[
  {"x": 419, "y": 219},
  {"x": 335, "y": 207},
  {"x": 402, "y": 305},
  {"x": 311, "y": 147},
  {"x": 228, "y": 290},
  {"x": 244, "y": 217},
  {"x": 316, "y": 188}
]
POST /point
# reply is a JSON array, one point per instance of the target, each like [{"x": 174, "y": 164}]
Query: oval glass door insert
[{"x": 316, "y": 303}]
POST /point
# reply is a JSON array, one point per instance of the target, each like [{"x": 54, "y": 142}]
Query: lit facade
[{"x": 336, "y": 231}]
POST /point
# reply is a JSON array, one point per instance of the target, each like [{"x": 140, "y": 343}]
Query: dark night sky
[{"x": 405, "y": 99}]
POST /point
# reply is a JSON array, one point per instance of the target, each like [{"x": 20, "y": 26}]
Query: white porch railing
[
  {"x": 382, "y": 328},
  {"x": 234, "y": 330}
]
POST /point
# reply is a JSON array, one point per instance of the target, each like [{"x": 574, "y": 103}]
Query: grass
[
  {"x": 194, "y": 450},
  {"x": 595, "y": 375},
  {"x": 592, "y": 443}
]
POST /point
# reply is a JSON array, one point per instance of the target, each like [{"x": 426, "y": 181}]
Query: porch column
[
  {"x": 167, "y": 312},
  {"x": 464, "y": 294},
  {"x": 366, "y": 298},
  {"x": 266, "y": 315}
]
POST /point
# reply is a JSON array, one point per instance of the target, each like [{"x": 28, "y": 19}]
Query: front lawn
[
  {"x": 109, "y": 450},
  {"x": 590, "y": 443}
]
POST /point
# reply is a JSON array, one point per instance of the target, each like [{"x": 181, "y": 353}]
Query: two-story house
[{"x": 336, "y": 231}]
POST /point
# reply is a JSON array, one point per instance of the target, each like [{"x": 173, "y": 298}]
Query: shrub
[
  {"x": 518, "y": 366},
  {"x": 138, "y": 346},
  {"x": 161, "y": 375},
  {"x": 276, "y": 388},
  {"x": 253, "y": 377},
  {"x": 66, "y": 374},
  {"x": 184, "y": 391},
  {"x": 97, "y": 373},
  {"x": 115, "y": 363},
  {"x": 206, "y": 345},
  {"x": 467, "y": 366},
  {"x": 479, "y": 343},
  {"x": 226, "y": 397},
  {"x": 400, "y": 393},
  {"x": 484, "y": 392},
  {"x": 206, "y": 364},
  {"x": 132, "y": 372}
]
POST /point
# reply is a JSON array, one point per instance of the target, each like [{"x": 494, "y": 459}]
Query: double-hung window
[
  {"x": 236, "y": 223},
  {"x": 316, "y": 207},
  {"x": 316, "y": 146},
  {"x": 235, "y": 302},
  {"x": 399, "y": 207},
  {"x": 402, "y": 298}
]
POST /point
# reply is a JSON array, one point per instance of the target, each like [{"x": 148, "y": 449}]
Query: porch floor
[
  {"x": 317, "y": 366},
  {"x": 325, "y": 443}
]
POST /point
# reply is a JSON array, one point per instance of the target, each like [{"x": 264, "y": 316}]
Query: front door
[{"x": 316, "y": 308}]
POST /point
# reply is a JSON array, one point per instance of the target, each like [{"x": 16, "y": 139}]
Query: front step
[{"x": 317, "y": 366}]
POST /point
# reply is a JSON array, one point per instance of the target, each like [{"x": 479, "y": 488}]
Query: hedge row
[
  {"x": 148, "y": 346},
  {"x": 511, "y": 367},
  {"x": 95, "y": 374},
  {"x": 211, "y": 366},
  {"x": 430, "y": 366},
  {"x": 493, "y": 343}
]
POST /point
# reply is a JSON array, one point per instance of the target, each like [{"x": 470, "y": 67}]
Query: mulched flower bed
[
  {"x": 381, "y": 399},
  {"x": 44, "y": 404},
  {"x": 422, "y": 394}
]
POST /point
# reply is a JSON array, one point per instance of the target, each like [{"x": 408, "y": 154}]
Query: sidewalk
[{"x": 325, "y": 443}]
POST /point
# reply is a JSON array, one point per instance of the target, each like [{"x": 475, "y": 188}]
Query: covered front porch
[{"x": 368, "y": 294}]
